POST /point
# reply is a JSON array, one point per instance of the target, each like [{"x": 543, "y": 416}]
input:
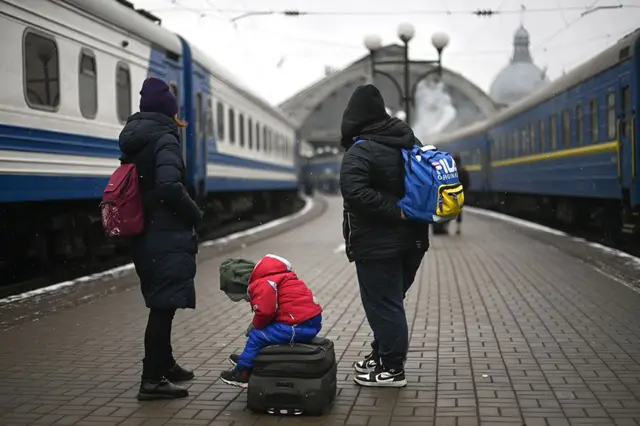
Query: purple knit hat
[{"x": 156, "y": 96}]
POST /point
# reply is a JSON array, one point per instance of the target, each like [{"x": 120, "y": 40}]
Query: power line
[{"x": 476, "y": 12}]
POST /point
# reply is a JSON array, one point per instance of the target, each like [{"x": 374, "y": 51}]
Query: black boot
[
  {"x": 178, "y": 374},
  {"x": 160, "y": 389}
]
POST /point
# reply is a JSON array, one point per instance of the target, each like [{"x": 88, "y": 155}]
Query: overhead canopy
[{"x": 317, "y": 110}]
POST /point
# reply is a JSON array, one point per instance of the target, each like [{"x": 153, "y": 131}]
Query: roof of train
[
  {"x": 131, "y": 21},
  {"x": 223, "y": 74},
  {"x": 597, "y": 64}
]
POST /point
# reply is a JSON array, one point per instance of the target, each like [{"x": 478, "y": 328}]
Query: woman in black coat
[{"x": 165, "y": 254}]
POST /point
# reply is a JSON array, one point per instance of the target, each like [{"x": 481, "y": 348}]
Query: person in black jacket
[
  {"x": 386, "y": 248},
  {"x": 463, "y": 175},
  {"x": 165, "y": 254}
]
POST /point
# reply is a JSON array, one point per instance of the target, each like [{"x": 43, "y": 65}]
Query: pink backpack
[{"x": 121, "y": 206}]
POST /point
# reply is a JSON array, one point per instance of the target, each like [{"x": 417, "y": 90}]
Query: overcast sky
[{"x": 277, "y": 55}]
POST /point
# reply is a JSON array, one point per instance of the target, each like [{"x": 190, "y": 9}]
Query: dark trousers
[
  {"x": 158, "y": 353},
  {"x": 459, "y": 218},
  {"x": 383, "y": 286}
]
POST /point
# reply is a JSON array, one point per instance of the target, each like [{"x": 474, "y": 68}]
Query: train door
[
  {"x": 174, "y": 86},
  {"x": 633, "y": 122},
  {"x": 488, "y": 150},
  {"x": 200, "y": 157},
  {"x": 624, "y": 113}
]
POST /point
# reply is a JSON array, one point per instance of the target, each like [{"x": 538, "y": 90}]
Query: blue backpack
[{"x": 433, "y": 192}]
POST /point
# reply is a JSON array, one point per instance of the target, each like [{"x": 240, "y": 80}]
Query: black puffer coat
[
  {"x": 165, "y": 255},
  {"x": 372, "y": 181}
]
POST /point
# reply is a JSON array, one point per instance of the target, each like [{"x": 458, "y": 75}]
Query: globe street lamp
[{"x": 406, "y": 31}]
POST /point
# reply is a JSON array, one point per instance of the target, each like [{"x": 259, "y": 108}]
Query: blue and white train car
[
  {"x": 242, "y": 143},
  {"x": 72, "y": 70}
]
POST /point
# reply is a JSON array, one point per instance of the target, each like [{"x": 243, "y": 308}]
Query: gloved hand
[{"x": 249, "y": 329}]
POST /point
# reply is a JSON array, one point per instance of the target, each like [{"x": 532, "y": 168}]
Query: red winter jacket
[{"x": 277, "y": 294}]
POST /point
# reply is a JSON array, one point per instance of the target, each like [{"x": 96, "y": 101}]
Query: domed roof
[{"x": 521, "y": 76}]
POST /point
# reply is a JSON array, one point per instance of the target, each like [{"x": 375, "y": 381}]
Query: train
[
  {"x": 567, "y": 153},
  {"x": 323, "y": 174},
  {"x": 72, "y": 71}
]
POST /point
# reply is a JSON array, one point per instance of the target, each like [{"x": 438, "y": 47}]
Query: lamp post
[{"x": 406, "y": 32}]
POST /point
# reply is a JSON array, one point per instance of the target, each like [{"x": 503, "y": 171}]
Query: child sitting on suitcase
[{"x": 284, "y": 309}]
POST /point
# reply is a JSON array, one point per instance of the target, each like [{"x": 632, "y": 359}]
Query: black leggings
[
  {"x": 459, "y": 218},
  {"x": 158, "y": 353}
]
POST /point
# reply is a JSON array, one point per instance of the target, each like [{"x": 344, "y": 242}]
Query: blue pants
[{"x": 278, "y": 333}]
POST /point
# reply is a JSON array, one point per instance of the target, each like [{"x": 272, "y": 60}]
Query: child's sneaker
[
  {"x": 382, "y": 377},
  {"x": 367, "y": 365},
  {"x": 233, "y": 359},
  {"x": 236, "y": 377}
]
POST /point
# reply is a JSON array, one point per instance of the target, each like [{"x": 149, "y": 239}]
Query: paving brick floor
[{"x": 505, "y": 330}]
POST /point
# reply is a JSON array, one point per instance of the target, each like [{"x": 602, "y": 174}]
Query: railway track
[
  {"x": 30, "y": 277},
  {"x": 622, "y": 242}
]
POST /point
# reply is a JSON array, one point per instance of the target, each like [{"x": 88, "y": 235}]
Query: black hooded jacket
[
  {"x": 372, "y": 181},
  {"x": 164, "y": 255}
]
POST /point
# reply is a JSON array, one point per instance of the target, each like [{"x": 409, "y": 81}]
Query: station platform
[{"x": 509, "y": 326}]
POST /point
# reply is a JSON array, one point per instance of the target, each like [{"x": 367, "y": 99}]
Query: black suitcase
[{"x": 298, "y": 379}]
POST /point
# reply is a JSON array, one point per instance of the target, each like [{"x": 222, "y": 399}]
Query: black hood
[
  {"x": 365, "y": 108},
  {"x": 143, "y": 128},
  {"x": 366, "y": 118}
]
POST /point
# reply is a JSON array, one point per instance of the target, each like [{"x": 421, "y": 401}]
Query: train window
[
  {"x": 595, "y": 129},
  {"x": 271, "y": 142},
  {"x": 626, "y": 111},
  {"x": 250, "y": 133},
  {"x": 566, "y": 128},
  {"x": 241, "y": 128},
  {"x": 504, "y": 142},
  {"x": 553, "y": 129},
  {"x": 232, "y": 125},
  {"x": 123, "y": 92},
  {"x": 611, "y": 115},
  {"x": 516, "y": 143},
  {"x": 199, "y": 121},
  {"x": 88, "y": 84},
  {"x": 41, "y": 72},
  {"x": 543, "y": 137},
  {"x": 532, "y": 138},
  {"x": 220, "y": 121},
  {"x": 265, "y": 138},
  {"x": 579, "y": 125},
  {"x": 525, "y": 141},
  {"x": 209, "y": 129},
  {"x": 257, "y": 136}
]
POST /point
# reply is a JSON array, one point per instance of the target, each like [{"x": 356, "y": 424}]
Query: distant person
[
  {"x": 387, "y": 249},
  {"x": 165, "y": 254},
  {"x": 463, "y": 175},
  {"x": 284, "y": 309}
]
